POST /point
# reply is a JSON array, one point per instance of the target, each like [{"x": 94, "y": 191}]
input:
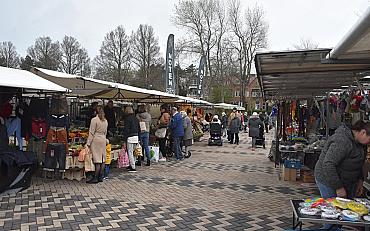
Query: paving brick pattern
[{"x": 218, "y": 188}]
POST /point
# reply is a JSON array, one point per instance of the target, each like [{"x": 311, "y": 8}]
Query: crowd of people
[
  {"x": 172, "y": 127},
  {"x": 173, "y": 131},
  {"x": 237, "y": 121}
]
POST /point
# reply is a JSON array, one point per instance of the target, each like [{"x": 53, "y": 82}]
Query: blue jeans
[
  {"x": 14, "y": 125},
  {"x": 144, "y": 140},
  {"x": 328, "y": 192},
  {"x": 177, "y": 147}
]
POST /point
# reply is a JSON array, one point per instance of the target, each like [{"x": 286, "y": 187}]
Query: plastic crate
[{"x": 296, "y": 164}]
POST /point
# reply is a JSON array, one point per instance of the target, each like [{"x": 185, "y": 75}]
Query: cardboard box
[{"x": 289, "y": 174}]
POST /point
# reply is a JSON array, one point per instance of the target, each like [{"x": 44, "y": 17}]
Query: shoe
[
  {"x": 230, "y": 142},
  {"x": 147, "y": 163},
  {"x": 132, "y": 170},
  {"x": 138, "y": 163},
  {"x": 93, "y": 181},
  {"x": 100, "y": 179},
  {"x": 129, "y": 168},
  {"x": 162, "y": 159}
]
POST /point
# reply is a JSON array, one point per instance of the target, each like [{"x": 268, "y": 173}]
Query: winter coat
[
  {"x": 254, "y": 124},
  {"x": 340, "y": 162},
  {"x": 131, "y": 127},
  {"x": 235, "y": 125},
  {"x": 97, "y": 139},
  {"x": 224, "y": 121},
  {"x": 177, "y": 126},
  {"x": 110, "y": 116},
  {"x": 188, "y": 128},
  {"x": 147, "y": 118}
]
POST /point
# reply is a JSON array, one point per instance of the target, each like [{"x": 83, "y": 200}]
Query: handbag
[
  {"x": 89, "y": 164},
  {"x": 82, "y": 154},
  {"x": 138, "y": 151},
  {"x": 142, "y": 126},
  {"x": 161, "y": 132}
]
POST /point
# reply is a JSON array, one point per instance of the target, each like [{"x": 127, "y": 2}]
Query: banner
[
  {"x": 170, "y": 63},
  {"x": 201, "y": 71}
]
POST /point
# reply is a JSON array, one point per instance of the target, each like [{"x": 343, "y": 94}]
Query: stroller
[
  {"x": 216, "y": 134},
  {"x": 260, "y": 141}
]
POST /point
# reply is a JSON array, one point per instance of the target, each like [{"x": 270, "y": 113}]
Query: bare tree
[
  {"x": 8, "y": 55},
  {"x": 114, "y": 59},
  {"x": 145, "y": 51},
  {"x": 198, "y": 18},
  {"x": 306, "y": 44},
  {"x": 250, "y": 33},
  {"x": 75, "y": 59},
  {"x": 45, "y": 53}
]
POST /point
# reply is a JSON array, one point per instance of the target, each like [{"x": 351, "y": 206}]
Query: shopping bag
[
  {"x": 82, "y": 154},
  {"x": 142, "y": 126},
  {"x": 89, "y": 164},
  {"x": 154, "y": 153},
  {"x": 161, "y": 132},
  {"x": 123, "y": 161},
  {"x": 138, "y": 151}
]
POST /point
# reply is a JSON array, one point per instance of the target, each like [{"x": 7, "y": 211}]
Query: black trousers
[
  {"x": 162, "y": 146},
  {"x": 234, "y": 136},
  {"x": 55, "y": 156}
]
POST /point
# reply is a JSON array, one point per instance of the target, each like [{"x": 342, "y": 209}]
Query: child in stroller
[{"x": 216, "y": 134}]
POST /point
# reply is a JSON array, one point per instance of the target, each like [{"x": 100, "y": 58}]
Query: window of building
[
  {"x": 256, "y": 93},
  {"x": 237, "y": 93}
]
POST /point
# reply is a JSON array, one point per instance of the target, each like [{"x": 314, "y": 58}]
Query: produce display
[{"x": 336, "y": 208}]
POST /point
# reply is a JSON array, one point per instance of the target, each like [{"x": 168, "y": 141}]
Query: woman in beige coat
[{"x": 96, "y": 142}]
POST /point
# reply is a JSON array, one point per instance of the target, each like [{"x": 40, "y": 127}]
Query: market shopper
[
  {"x": 254, "y": 124},
  {"x": 110, "y": 115},
  {"x": 188, "y": 130},
  {"x": 162, "y": 125},
  {"x": 177, "y": 131},
  {"x": 224, "y": 123},
  {"x": 96, "y": 142},
  {"x": 131, "y": 135},
  {"x": 234, "y": 128},
  {"x": 338, "y": 172},
  {"x": 265, "y": 120},
  {"x": 91, "y": 113},
  {"x": 144, "y": 119},
  {"x": 216, "y": 120}
]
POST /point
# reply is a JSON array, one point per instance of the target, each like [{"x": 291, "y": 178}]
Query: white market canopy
[
  {"x": 16, "y": 78},
  {"x": 229, "y": 106},
  {"x": 88, "y": 87},
  {"x": 183, "y": 99}
]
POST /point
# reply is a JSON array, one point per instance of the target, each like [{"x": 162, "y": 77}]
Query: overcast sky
[{"x": 22, "y": 21}]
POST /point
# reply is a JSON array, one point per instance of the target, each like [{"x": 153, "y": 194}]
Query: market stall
[
  {"x": 21, "y": 95},
  {"x": 325, "y": 81}
]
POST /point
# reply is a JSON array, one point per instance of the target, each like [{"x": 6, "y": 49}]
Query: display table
[{"x": 299, "y": 219}]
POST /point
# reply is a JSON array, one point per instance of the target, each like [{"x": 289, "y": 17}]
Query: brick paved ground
[{"x": 218, "y": 188}]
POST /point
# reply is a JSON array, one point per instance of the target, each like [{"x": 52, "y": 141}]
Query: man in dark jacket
[
  {"x": 338, "y": 171},
  {"x": 110, "y": 116},
  {"x": 177, "y": 128}
]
